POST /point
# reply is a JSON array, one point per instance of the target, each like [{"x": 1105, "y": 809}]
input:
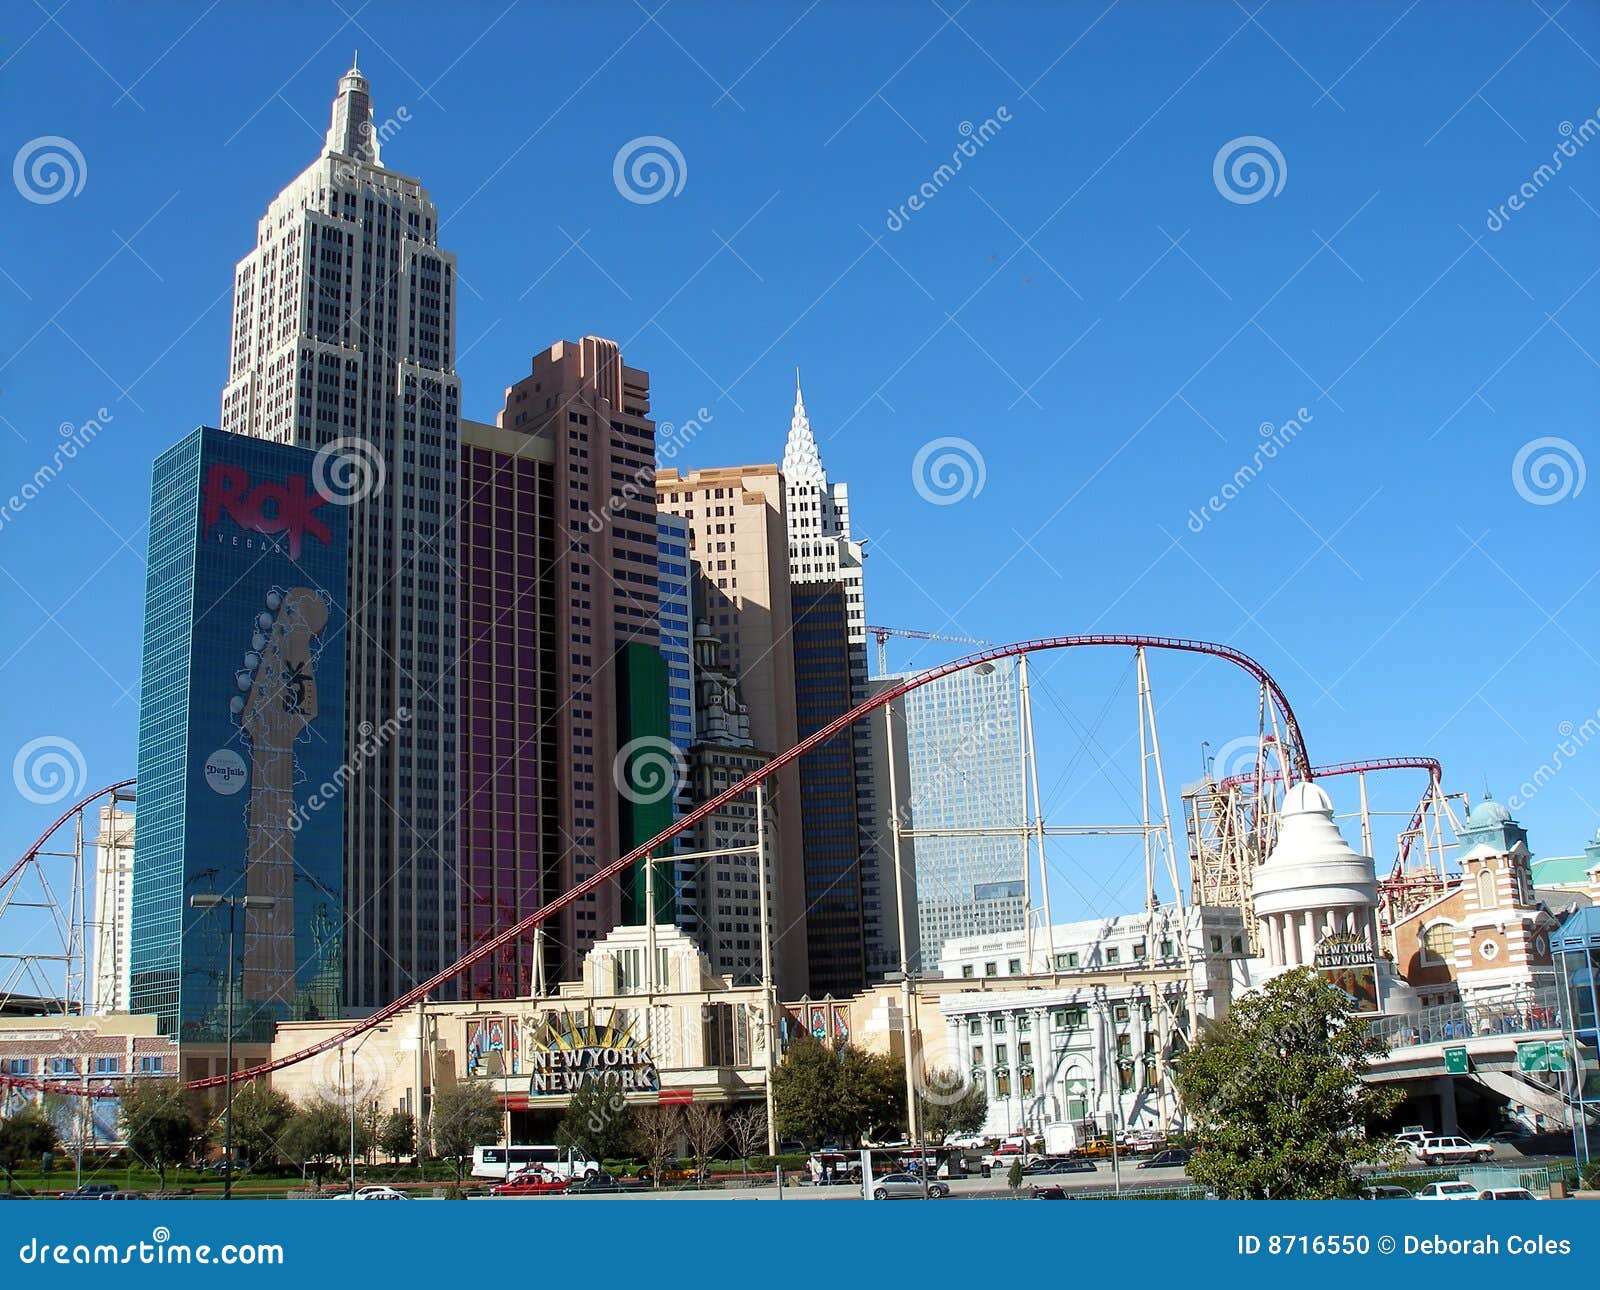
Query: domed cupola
[
  {"x": 1314, "y": 884},
  {"x": 1489, "y": 824}
]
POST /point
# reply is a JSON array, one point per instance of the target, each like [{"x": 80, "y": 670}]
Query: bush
[{"x": 1591, "y": 1176}]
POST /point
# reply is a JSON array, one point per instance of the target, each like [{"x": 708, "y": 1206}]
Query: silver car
[{"x": 907, "y": 1187}]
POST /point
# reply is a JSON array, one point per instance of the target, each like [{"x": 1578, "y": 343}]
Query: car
[
  {"x": 1040, "y": 1167},
  {"x": 121, "y": 1195},
  {"x": 89, "y": 1191},
  {"x": 1506, "y": 1193},
  {"x": 1097, "y": 1148},
  {"x": 221, "y": 1167},
  {"x": 907, "y": 1187},
  {"x": 1448, "y": 1191},
  {"x": 1005, "y": 1154},
  {"x": 967, "y": 1141},
  {"x": 1385, "y": 1192},
  {"x": 1171, "y": 1158},
  {"x": 1411, "y": 1133},
  {"x": 669, "y": 1174},
  {"x": 532, "y": 1182},
  {"x": 1050, "y": 1191},
  {"x": 593, "y": 1182},
  {"x": 373, "y": 1191},
  {"x": 1450, "y": 1150},
  {"x": 1143, "y": 1140}
]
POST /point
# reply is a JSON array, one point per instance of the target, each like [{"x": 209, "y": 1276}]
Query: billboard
[
  {"x": 242, "y": 761},
  {"x": 1351, "y": 963}
]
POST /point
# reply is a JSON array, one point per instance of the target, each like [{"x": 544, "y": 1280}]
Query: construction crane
[{"x": 883, "y": 633}]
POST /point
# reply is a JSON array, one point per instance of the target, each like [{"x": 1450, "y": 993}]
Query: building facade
[
  {"x": 611, "y": 724},
  {"x": 738, "y": 547},
  {"x": 242, "y": 766},
  {"x": 344, "y": 325},
  {"x": 854, "y": 937},
  {"x": 113, "y": 911},
  {"x": 510, "y": 842},
  {"x": 1083, "y": 1033},
  {"x": 964, "y": 752}
]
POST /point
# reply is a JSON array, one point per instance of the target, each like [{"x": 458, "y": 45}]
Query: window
[
  {"x": 1024, "y": 1024},
  {"x": 1238, "y": 945},
  {"x": 151, "y": 1066},
  {"x": 1486, "y": 898},
  {"x": 1065, "y": 961},
  {"x": 1002, "y": 1084},
  {"x": 966, "y": 970},
  {"x": 999, "y": 1025},
  {"x": 1438, "y": 943},
  {"x": 63, "y": 1066},
  {"x": 1001, "y": 1056},
  {"x": 1216, "y": 945},
  {"x": 1014, "y": 967},
  {"x": 1113, "y": 955},
  {"x": 1139, "y": 949},
  {"x": 16, "y": 1066},
  {"x": 989, "y": 969},
  {"x": 1120, "y": 1012},
  {"x": 1024, "y": 1054},
  {"x": 1067, "y": 1018},
  {"x": 977, "y": 1054},
  {"x": 975, "y": 1025},
  {"x": 1166, "y": 948},
  {"x": 107, "y": 1065}
]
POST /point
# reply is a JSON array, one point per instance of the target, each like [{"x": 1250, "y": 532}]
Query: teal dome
[{"x": 1487, "y": 814}]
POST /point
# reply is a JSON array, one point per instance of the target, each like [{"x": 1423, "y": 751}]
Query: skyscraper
[
  {"x": 611, "y": 721},
  {"x": 241, "y": 740},
  {"x": 854, "y": 939},
  {"x": 510, "y": 826},
  {"x": 964, "y": 752},
  {"x": 738, "y": 544},
  {"x": 344, "y": 340}
]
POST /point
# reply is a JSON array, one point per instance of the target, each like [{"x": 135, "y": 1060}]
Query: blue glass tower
[{"x": 241, "y": 740}]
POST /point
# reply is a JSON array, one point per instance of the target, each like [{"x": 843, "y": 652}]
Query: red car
[{"x": 532, "y": 1182}]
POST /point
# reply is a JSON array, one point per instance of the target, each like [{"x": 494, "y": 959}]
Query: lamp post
[
  {"x": 353, "y": 1053},
  {"x": 210, "y": 901}
]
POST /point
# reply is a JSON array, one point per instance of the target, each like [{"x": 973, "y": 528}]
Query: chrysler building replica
[
  {"x": 848, "y": 926},
  {"x": 344, "y": 341}
]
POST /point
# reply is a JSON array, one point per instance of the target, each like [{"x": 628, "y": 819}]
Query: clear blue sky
[{"x": 1384, "y": 566}]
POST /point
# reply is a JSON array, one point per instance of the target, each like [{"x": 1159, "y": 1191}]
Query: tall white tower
[
  {"x": 113, "y": 911},
  {"x": 344, "y": 329},
  {"x": 821, "y": 550}
]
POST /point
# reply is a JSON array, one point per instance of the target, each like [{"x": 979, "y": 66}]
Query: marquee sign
[{"x": 576, "y": 1050}]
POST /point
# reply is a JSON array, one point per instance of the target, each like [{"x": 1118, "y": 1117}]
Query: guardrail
[{"x": 1515, "y": 1013}]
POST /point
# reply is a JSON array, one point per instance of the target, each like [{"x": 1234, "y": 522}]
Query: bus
[{"x": 500, "y": 1163}]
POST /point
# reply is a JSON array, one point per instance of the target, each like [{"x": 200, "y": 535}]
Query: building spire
[
  {"x": 802, "y": 462},
  {"x": 350, "y": 133}
]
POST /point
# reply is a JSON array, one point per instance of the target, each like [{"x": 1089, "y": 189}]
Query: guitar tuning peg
[
  {"x": 252, "y": 661},
  {"x": 264, "y": 622},
  {"x": 274, "y": 599},
  {"x": 258, "y": 642},
  {"x": 236, "y": 704},
  {"x": 244, "y": 679}
]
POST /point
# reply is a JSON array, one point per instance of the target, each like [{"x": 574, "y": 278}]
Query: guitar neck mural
[{"x": 279, "y": 702}]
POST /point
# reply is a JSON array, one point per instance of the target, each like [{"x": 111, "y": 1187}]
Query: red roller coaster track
[
  {"x": 1343, "y": 768},
  {"x": 32, "y": 852},
  {"x": 1293, "y": 737}
]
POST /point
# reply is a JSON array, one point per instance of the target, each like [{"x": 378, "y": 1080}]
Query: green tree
[
  {"x": 260, "y": 1115},
  {"x": 1275, "y": 1094},
  {"x": 316, "y": 1136},
  {"x": 823, "y": 1092},
  {"x": 598, "y": 1124},
  {"x": 1014, "y": 1176},
  {"x": 948, "y": 1102},
  {"x": 159, "y": 1125},
  {"x": 464, "y": 1116},
  {"x": 24, "y": 1137},
  {"x": 397, "y": 1135}
]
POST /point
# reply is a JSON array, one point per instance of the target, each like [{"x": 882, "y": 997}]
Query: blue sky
[{"x": 1082, "y": 303}]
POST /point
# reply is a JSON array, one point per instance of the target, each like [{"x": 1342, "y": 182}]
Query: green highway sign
[{"x": 1455, "y": 1061}]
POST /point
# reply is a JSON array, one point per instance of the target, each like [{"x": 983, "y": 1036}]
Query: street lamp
[
  {"x": 353, "y": 1053},
  {"x": 209, "y": 901}
]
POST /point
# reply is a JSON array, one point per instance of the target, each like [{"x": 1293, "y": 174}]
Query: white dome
[{"x": 1312, "y": 867}]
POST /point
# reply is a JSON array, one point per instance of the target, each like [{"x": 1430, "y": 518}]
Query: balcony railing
[{"x": 1512, "y": 1013}]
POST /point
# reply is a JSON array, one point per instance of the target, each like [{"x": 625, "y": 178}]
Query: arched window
[
  {"x": 1438, "y": 943},
  {"x": 1486, "y": 896}
]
